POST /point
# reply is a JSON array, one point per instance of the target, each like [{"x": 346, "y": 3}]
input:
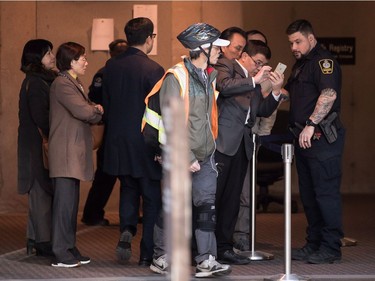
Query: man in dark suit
[
  {"x": 240, "y": 102},
  {"x": 128, "y": 78}
]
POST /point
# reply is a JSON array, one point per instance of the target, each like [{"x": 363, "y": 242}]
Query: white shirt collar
[{"x": 244, "y": 69}]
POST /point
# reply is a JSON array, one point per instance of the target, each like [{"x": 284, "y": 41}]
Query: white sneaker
[
  {"x": 211, "y": 267},
  {"x": 160, "y": 265},
  {"x": 67, "y": 264}
]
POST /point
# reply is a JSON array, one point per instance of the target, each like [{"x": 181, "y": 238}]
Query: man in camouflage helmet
[{"x": 203, "y": 42}]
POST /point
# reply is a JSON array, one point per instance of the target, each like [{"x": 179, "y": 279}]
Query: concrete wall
[{"x": 71, "y": 21}]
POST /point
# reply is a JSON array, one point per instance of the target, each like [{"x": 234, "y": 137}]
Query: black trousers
[
  {"x": 319, "y": 177},
  {"x": 319, "y": 187},
  {"x": 232, "y": 171},
  {"x": 131, "y": 191},
  {"x": 99, "y": 193},
  {"x": 40, "y": 213}
]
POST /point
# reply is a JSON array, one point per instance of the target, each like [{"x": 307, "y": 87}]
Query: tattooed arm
[
  {"x": 322, "y": 108},
  {"x": 323, "y": 105}
]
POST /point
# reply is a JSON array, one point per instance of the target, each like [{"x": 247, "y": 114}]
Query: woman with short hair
[{"x": 70, "y": 149}]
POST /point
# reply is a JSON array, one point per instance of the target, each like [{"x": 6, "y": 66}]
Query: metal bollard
[
  {"x": 255, "y": 255},
  {"x": 287, "y": 151}
]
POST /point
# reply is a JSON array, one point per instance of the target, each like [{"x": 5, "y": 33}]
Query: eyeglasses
[
  {"x": 258, "y": 63},
  {"x": 153, "y": 35}
]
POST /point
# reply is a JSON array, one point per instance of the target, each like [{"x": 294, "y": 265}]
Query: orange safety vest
[{"x": 153, "y": 118}]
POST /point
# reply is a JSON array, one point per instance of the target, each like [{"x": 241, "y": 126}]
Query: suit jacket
[
  {"x": 70, "y": 138},
  {"x": 237, "y": 93},
  {"x": 127, "y": 80}
]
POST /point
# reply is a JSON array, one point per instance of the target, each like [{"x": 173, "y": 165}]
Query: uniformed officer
[{"x": 314, "y": 88}]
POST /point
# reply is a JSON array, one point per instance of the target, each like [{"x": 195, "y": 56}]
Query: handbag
[{"x": 97, "y": 131}]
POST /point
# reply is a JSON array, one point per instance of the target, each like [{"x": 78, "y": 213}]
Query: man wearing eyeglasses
[
  {"x": 127, "y": 80},
  {"x": 240, "y": 102}
]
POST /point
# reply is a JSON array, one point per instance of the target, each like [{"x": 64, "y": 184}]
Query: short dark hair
[
  {"x": 66, "y": 53},
  {"x": 137, "y": 30},
  {"x": 227, "y": 34},
  {"x": 117, "y": 46},
  {"x": 255, "y": 31},
  {"x": 33, "y": 53},
  {"x": 302, "y": 26},
  {"x": 254, "y": 47}
]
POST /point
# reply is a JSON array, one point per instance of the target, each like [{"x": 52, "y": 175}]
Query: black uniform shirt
[
  {"x": 310, "y": 75},
  {"x": 95, "y": 90}
]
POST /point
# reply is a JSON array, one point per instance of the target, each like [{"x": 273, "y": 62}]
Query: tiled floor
[{"x": 99, "y": 243}]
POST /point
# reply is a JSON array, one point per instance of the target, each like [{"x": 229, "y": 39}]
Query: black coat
[
  {"x": 128, "y": 78},
  {"x": 33, "y": 114}
]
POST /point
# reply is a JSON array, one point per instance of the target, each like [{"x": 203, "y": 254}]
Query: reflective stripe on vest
[
  {"x": 150, "y": 116},
  {"x": 154, "y": 120}
]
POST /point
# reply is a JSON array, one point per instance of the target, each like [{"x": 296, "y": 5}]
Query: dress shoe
[
  {"x": 145, "y": 262},
  {"x": 102, "y": 222},
  {"x": 230, "y": 257},
  {"x": 44, "y": 249},
  {"x": 323, "y": 256},
  {"x": 41, "y": 249},
  {"x": 241, "y": 245},
  {"x": 304, "y": 253},
  {"x": 30, "y": 245}
]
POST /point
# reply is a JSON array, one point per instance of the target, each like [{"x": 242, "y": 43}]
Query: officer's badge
[{"x": 326, "y": 66}]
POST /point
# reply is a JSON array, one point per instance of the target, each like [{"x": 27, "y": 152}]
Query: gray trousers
[
  {"x": 40, "y": 214},
  {"x": 242, "y": 229},
  {"x": 203, "y": 192},
  {"x": 204, "y": 185},
  {"x": 64, "y": 217}
]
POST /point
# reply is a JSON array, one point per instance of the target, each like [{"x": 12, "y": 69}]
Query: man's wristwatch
[{"x": 311, "y": 123}]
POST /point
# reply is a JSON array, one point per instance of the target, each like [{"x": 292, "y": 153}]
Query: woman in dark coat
[
  {"x": 37, "y": 63},
  {"x": 70, "y": 150}
]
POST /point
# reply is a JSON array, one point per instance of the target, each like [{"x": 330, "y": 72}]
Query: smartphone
[{"x": 280, "y": 68}]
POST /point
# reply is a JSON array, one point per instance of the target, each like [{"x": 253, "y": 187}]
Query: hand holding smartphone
[{"x": 280, "y": 68}]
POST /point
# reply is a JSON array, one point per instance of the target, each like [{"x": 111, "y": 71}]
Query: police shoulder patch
[
  {"x": 326, "y": 66},
  {"x": 98, "y": 82}
]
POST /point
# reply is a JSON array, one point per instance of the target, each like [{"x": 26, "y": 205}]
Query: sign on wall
[
  {"x": 151, "y": 12},
  {"x": 101, "y": 34},
  {"x": 342, "y": 48}
]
